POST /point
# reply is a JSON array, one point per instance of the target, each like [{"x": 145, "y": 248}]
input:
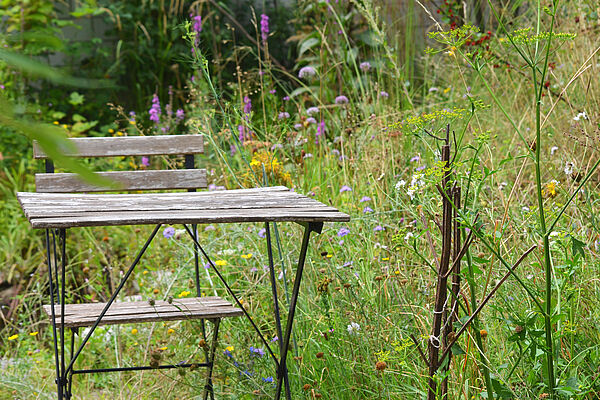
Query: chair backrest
[{"x": 166, "y": 145}]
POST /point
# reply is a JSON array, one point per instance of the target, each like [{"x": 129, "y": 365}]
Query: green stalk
[{"x": 476, "y": 329}]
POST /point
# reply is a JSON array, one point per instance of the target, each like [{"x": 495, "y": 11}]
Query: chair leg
[{"x": 208, "y": 388}]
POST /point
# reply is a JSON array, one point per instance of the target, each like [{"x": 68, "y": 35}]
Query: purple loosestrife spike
[
  {"x": 247, "y": 105},
  {"x": 264, "y": 27},
  {"x": 320, "y": 131},
  {"x": 155, "y": 110}
]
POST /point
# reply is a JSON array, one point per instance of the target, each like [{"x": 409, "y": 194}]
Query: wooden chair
[{"x": 75, "y": 316}]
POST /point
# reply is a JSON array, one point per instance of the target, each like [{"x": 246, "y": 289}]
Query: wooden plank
[
  {"x": 80, "y": 315},
  {"x": 57, "y": 210},
  {"x": 132, "y": 146},
  {"x": 190, "y": 217},
  {"x": 127, "y": 180}
]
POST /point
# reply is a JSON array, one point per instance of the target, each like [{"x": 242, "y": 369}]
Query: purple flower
[
  {"x": 367, "y": 210},
  {"x": 257, "y": 351},
  {"x": 286, "y": 98},
  {"x": 365, "y": 198},
  {"x": 348, "y": 264},
  {"x": 320, "y": 131},
  {"x": 345, "y": 188},
  {"x": 264, "y": 27},
  {"x": 2, "y": 87},
  {"x": 247, "y": 105},
  {"x": 312, "y": 110},
  {"x": 197, "y": 27},
  {"x": 341, "y": 100},
  {"x": 421, "y": 168},
  {"x": 379, "y": 228},
  {"x": 145, "y": 161},
  {"x": 169, "y": 232},
  {"x": 416, "y": 158},
  {"x": 179, "y": 115},
  {"x": 268, "y": 379},
  {"x": 155, "y": 110},
  {"x": 307, "y": 72},
  {"x": 343, "y": 232},
  {"x": 232, "y": 150},
  {"x": 283, "y": 115},
  {"x": 384, "y": 94},
  {"x": 365, "y": 66},
  {"x": 298, "y": 126},
  {"x": 311, "y": 120},
  {"x": 253, "y": 269},
  {"x": 262, "y": 233}
]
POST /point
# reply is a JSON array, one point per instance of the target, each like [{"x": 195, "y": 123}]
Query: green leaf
[
  {"x": 577, "y": 247},
  {"x": 37, "y": 69},
  {"x": 501, "y": 389},
  {"x": 457, "y": 350},
  {"x": 308, "y": 44},
  {"x": 76, "y": 99}
]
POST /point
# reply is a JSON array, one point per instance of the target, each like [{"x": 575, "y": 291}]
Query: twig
[
  {"x": 484, "y": 302},
  {"x": 418, "y": 346}
]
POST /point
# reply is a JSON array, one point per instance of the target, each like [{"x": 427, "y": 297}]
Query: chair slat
[
  {"x": 127, "y": 180},
  {"x": 132, "y": 146}
]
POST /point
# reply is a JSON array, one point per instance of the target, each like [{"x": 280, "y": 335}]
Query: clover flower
[
  {"x": 365, "y": 66},
  {"x": 353, "y": 328},
  {"x": 312, "y": 110},
  {"x": 341, "y": 100},
  {"x": 264, "y": 27},
  {"x": 343, "y": 232},
  {"x": 307, "y": 72},
  {"x": 169, "y": 232}
]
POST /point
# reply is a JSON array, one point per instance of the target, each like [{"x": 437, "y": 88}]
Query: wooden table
[{"x": 56, "y": 212}]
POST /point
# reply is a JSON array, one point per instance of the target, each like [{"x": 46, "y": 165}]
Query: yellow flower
[
  {"x": 65, "y": 126},
  {"x": 550, "y": 189},
  {"x": 385, "y": 259},
  {"x": 111, "y": 130},
  {"x": 220, "y": 263},
  {"x": 55, "y": 123},
  {"x": 397, "y": 272},
  {"x": 13, "y": 337},
  {"x": 170, "y": 331},
  {"x": 185, "y": 293},
  {"x": 131, "y": 122},
  {"x": 247, "y": 256},
  {"x": 119, "y": 133},
  {"x": 447, "y": 90},
  {"x": 329, "y": 255},
  {"x": 254, "y": 162},
  {"x": 33, "y": 333},
  {"x": 163, "y": 348},
  {"x": 229, "y": 348},
  {"x": 134, "y": 331},
  {"x": 145, "y": 272}
]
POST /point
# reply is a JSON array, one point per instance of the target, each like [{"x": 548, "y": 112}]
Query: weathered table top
[{"x": 271, "y": 204}]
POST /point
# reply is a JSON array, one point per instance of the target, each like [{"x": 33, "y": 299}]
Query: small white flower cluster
[
  {"x": 569, "y": 166},
  {"x": 415, "y": 184},
  {"x": 353, "y": 328},
  {"x": 580, "y": 116}
]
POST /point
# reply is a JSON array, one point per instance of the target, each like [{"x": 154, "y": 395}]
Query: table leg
[
  {"x": 308, "y": 228},
  {"x": 276, "y": 306},
  {"x": 50, "y": 257},
  {"x": 112, "y": 298}
]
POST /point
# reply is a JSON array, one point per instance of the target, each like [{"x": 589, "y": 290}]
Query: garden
[{"x": 461, "y": 137}]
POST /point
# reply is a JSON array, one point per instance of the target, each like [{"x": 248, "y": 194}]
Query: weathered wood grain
[
  {"x": 132, "y": 146},
  {"x": 126, "y": 180},
  {"x": 81, "y": 315}
]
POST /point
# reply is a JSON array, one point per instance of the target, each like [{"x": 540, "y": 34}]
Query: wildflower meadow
[{"x": 461, "y": 137}]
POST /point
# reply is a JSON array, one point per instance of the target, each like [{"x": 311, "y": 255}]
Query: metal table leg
[{"x": 280, "y": 363}]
